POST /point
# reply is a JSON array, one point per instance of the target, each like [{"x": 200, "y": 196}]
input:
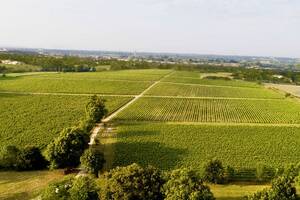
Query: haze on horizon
[{"x": 228, "y": 27}]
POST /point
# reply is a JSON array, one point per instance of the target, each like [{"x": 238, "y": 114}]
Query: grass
[
  {"x": 169, "y": 146},
  {"x": 25, "y": 185},
  {"x": 235, "y": 191},
  {"x": 212, "y": 110},
  {"x": 37, "y": 119},
  {"x": 170, "y": 89}
]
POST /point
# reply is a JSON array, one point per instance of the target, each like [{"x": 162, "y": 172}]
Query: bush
[
  {"x": 185, "y": 184},
  {"x": 92, "y": 160},
  {"x": 66, "y": 150},
  {"x": 58, "y": 190},
  {"x": 261, "y": 172},
  {"x": 28, "y": 158},
  {"x": 282, "y": 189},
  {"x": 84, "y": 188},
  {"x": 214, "y": 172},
  {"x": 132, "y": 183}
]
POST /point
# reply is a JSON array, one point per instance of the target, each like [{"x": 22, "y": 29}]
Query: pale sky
[{"x": 231, "y": 27}]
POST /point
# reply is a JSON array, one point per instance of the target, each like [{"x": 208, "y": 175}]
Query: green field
[
  {"x": 212, "y": 110},
  {"x": 167, "y": 145},
  {"x": 196, "y": 79},
  {"x": 59, "y": 85},
  {"x": 171, "y": 89},
  {"x": 37, "y": 119}
]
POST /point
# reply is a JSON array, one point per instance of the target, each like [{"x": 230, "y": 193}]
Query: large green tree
[
  {"x": 186, "y": 184},
  {"x": 92, "y": 160},
  {"x": 65, "y": 150},
  {"x": 132, "y": 183}
]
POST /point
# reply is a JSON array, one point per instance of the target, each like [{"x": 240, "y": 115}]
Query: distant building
[
  {"x": 277, "y": 76},
  {"x": 10, "y": 62}
]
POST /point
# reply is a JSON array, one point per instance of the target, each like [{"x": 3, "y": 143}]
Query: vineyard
[
  {"x": 171, "y": 89},
  {"x": 182, "y": 119},
  {"x": 212, "y": 110},
  {"x": 51, "y": 85},
  {"x": 168, "y": 145},
  {"x": 190, "y": 79},
  {"x": 36, "y": 120}
]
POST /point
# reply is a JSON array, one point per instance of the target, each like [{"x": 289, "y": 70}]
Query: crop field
[
  {"x": 171, "y": 89},
  {"x": 130, "y": 75},
  {"x": 189, "y": 80},
  {"x": 37, "y": 119},
  {"x": 168, "y": 145},
  {"x": 212, "y": 110},
  {"x": 52, "y": 85}
]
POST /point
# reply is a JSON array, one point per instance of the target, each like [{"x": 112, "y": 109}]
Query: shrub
[
  {"x": 58, "y": 190},
  {"x": 214, "y": 172},
  {"x": 282, "y": 189},
  {"x": 185, "y": 184},
  {"x": 132, "y": 183},
  {"x": 92, "y": 160},
  {"x": 84, "y": 188},
  {"x": 261, "y": 172},
  {"x": 66, "y": 150},
  {"x": 28, "y": 158}
]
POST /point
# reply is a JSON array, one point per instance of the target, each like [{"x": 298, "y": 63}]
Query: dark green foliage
[
  {"x": 92, "y": 160},
  {"x": 292, "y": 170},
  {"x": 65, "y": 150},
  {"x": 95, "y": 109},
  {"x": 28, "y": 158},
  {"x": 83, "y": 188},
  {"x": 58, "y": 190},
  {"x": 214, "y": 172},
  {"x": 185, "y": 184},
  {"x": 282, "y": 189},
  {"x": 132, "y": 183},
  {"x": 79, "y": 188}
]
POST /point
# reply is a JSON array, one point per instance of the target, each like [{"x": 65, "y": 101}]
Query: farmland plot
[
  {"x": 36, "y": 120},
  {"x": 131, "y": 75},
  {"x": 168, "y": 145},
  {"x": 188, "y": 80},
  {"x": 50, "y": 85},
  {"x": 171, "y": 89},
  {"x": 212, "y": 110}
]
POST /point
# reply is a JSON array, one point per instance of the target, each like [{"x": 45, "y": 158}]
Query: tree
[
  {"x": 65, "y": 150},
  {"x": 95, "y": 108},
  {"x": 132, "y": 183},
  {"x": 214, "y": 172},
  {"x": 58, "y": 190},
  {"x": 31, "y": 158},
  {"x": 282, "y": 189},
  {"x": 92, "y": 160},
  {"x": 84, "y": 188},
  {"x": 186, "y": 184},
  {"x": 28, "y": 158}
]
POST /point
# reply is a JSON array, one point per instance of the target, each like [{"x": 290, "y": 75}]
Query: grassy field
[
  {"x": 167, "y": 145},
  {"x": 171, "y": 89},
  {"x": 37, "y": 119},
  {"x": 25, "y": 185},
  {"x": 212, "y": 110}
]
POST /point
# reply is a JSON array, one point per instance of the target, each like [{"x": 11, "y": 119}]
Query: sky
[{"x": 227, "y": 27}]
